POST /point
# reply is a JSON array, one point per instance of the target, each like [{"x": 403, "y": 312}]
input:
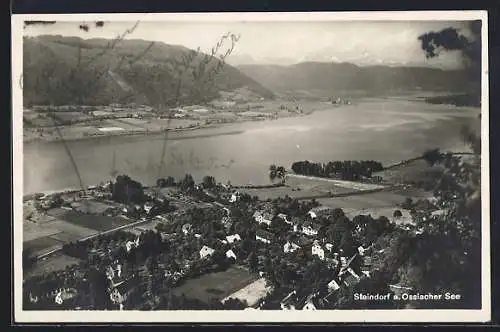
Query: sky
[{"x": 362, "y": 42}]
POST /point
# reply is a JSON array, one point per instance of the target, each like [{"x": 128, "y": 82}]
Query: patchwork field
[
  {"x": 41, "y": 238},
  {"x": 43, "y": 233},
  {"x": 216, "y": 285}
]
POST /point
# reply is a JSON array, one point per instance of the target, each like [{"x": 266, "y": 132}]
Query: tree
[
  {"x": 99, "y": 294},
  {"x": 209, "y": 182},
  {"x": 169, "y": 181},
  {"x": 151, "y": 265},
  {"x": 432, "y": 156},
  {"x": 234, "y": 304},
  {"x": 397, "y": 214},
  {"x": 451, "y": 39},
  {"x": 272, "y": 172},
  {"x": 161, "y": 183},
  {"x": 187, "y": 184},
  {"x": 253, "y": 261},
  {"x": 433, "y": 43},
  {"x": 125, "y": 190}
]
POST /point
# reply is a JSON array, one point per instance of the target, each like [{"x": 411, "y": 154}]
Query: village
[{"x": 182, "y": 245}]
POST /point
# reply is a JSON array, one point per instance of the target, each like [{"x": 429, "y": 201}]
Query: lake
[{"x": 387, "y": 130}]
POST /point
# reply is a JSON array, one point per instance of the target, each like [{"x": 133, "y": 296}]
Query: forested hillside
[{"x": 69, "y": 70}]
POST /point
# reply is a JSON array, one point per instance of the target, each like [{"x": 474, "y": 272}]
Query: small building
[
  {"x": 289, "y": 301},
  {"x": 316, "y": 250},
  {"x": 65, "y": 294},
  {"x": 235, "y": 196},
  {"x": 119, "y": 292},
  {"x": 308, "y": 229},
  {"x": 206, "y": 251},
  {"x": 226, "y": 222},
  {"x": 333, "y": 286},
  {"x": 362, "y": 251},
  {"x": 290, "y": 247},
  {"x": 231, "y": 254},
  {"x": 284, "y": 217},
  {"x": 187, "y": 228},
  {"x": 263, "y": 217},
  {"x": 114, "y": 271},
  {"x": 312, "y": 214},
  {"x": 329, "y": 247},
  {"x": 264, "y": 236},
  {"x": 147, "y": 207},
  {"x": 351, "y": 278},
  {"x": 233, "y": 238},
  {"x": 310, "y": 303},
  {"x": 129, "y": 245}
]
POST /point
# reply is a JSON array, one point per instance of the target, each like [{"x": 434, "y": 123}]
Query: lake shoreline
[{"x": 54, "y": 138}]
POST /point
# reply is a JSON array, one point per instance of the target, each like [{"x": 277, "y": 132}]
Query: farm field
[
  {"x": 40, "y": 238},
  {"x": 417, "y": 170},
  {"x": 376, "y": 204},
  {"x": 42, "y": 244},
  {"x": 216, "y": 285},
  {"x": 298, "y": 188},
  {"x": 364, "y": 201},
  {"x": 96, "y": 222},
  {"x": 53, "y": 263},
  {"x": 91, "y": 206}
]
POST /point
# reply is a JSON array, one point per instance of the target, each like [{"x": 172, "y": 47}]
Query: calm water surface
[{"x": 387, "y": 130}]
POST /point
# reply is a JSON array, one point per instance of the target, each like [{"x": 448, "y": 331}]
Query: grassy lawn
[
  {"x": 97, "y": 222},
  {"x": 216, "y": 285}
]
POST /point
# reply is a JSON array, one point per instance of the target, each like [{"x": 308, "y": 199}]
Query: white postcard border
[{"x": 247, "y": 316}]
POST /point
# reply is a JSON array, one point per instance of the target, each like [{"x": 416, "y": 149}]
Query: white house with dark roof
[
  {"x": 317, "y": 250},
  {"x": 312, "y": 214},
  {"x": 65, "y": 295},
  {"x": 263, "y": 217},
  {"x": 231, "y": 254},
  {"x": 290, "y": 247},
  {"x": 309, "y": 229},
  {"x": 263, "y": 236},
  {"x": 333, "y": 286},
  {"x": 233, "y": 238},
  {"x": 329, "y": 246},
  {"x": 206, "y": 251}
]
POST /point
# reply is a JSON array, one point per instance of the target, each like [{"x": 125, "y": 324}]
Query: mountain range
[
  {"x": 333, "y": 76},
  {"x": 70, "y": 70}
]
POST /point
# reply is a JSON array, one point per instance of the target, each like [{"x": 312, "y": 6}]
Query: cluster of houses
[
  {"x": 347, "y": 276},
  {"x": 305, "y": 238}
]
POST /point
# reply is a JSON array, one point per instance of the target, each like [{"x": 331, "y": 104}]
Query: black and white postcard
[{"x": 251, "y": 167}]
